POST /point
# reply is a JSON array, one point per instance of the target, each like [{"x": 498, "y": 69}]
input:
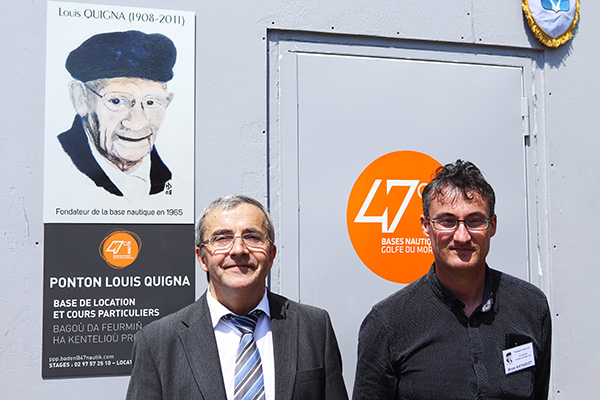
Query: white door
[{"x": 335, "y": 108}]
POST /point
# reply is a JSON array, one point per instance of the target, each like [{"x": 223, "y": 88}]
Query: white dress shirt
[{"x": 228, "y": 338}]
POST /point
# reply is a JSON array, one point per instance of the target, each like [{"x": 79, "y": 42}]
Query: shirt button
[{"x": 476, "y": 360}]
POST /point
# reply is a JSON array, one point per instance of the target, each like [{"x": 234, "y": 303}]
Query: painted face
[
  {"x": 237, "y": 269},
  {"x": 461, "y": 249},
  {"x": 124, "y": 118}
]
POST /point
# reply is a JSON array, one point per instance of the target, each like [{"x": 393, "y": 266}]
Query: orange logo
[
  {"x": 383, "y": 216},
  {"x": 120, "y": 248}
]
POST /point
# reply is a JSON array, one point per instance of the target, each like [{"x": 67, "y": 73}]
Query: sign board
[
  {"x": 118, "y": 182},
  {"x": 384, "y": 204}
]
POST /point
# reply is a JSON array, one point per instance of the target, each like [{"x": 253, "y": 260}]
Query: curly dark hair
[{"x": 461, "y": 178}]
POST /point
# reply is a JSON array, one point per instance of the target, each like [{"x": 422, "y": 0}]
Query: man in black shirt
[{"x": 448, "y": 335}]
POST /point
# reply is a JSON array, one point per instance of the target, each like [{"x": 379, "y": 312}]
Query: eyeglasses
[
  {"x": 252, "y": 240},
  {"x": 121, "y": 101},
  {"x": 451, "y": 224}
]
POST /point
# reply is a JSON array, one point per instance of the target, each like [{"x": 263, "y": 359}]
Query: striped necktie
[{"x": 249, "y": 382}]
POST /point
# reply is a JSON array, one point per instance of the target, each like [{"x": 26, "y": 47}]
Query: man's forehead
[
  {"x": 452, "y": 198},
  {"x": 128, "y": 83},
  {"x": 243, "y": 216}
]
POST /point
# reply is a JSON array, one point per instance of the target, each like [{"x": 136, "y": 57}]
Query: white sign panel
[{"x": 119, "y": 132}]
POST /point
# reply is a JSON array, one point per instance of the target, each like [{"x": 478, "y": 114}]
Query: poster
[
  {"x": 118, "y": 181},
  {"x": 384, "y": 208}
]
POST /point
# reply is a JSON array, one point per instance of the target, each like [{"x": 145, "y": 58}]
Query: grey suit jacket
[{"x": 176, "y": 357}]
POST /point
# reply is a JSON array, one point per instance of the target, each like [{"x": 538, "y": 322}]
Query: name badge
[{"x": 518, "y": 358}]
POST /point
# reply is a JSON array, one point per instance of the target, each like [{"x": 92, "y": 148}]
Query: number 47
[{"x": 412, "y": 185}]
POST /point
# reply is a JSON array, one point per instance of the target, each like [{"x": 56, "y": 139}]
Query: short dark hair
[
  {"x": 461, "y": 178},
  {"x": 226, "y": 203}
]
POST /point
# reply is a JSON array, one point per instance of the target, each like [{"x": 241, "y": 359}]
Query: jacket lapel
[
  {"x": 284, "y": 327},
  {"x": 75, "y": 143},
  {"x": 201, "y": 351},
  {"x": 159, "y": 173}
]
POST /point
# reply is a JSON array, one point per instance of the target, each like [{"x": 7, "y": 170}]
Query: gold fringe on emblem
[{"x": 545, "y": 38}]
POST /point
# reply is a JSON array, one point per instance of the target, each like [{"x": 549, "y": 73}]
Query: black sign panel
[{"x": 102, "y": 283}]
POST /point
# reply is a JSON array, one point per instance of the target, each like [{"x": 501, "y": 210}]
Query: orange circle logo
[
  {"x": 383, "y": 216},
  {"x": 120, "y": 248}
]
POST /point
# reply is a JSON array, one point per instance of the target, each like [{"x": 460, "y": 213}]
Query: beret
[{"x": 130, "y": 54}]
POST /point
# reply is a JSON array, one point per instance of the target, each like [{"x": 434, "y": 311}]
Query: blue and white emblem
[
  {"x": 556, "y": 6},
  {"x": 552, "y": 21}
]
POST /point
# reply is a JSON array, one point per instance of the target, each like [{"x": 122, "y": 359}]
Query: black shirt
[{"x": 419, "y": 344}]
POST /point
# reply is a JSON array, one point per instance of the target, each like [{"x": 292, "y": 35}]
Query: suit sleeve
[
  {"x": 375, "y": 374},
  {"x": 145, "y": 381},
  {"x": 542, "y": 370},
  {"x": 335, "y": 389}
]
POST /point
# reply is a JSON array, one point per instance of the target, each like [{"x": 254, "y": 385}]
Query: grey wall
[{"x": 231, "y": 129}]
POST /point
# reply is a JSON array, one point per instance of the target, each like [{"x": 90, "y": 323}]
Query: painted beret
[{"x": 130, "y": 54}]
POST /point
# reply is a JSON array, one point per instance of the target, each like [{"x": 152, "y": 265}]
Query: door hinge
[{"x": 525, "y": 115}]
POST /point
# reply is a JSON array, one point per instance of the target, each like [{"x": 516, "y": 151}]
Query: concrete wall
[{"x": 231, "y": 129}]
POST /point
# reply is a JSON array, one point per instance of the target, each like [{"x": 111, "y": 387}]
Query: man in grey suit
[{"x": 239, "y": 340}]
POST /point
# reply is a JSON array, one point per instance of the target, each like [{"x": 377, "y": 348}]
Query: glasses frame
[
  {"x": 159, "y": 100},
  {"x": 433, "y": 221},
  {"x": 209, "y": 241}
]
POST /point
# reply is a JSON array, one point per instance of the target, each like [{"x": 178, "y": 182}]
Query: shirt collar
[
  {"x": 450, "y": 299},
  {"x": 218, "y": 310}
]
